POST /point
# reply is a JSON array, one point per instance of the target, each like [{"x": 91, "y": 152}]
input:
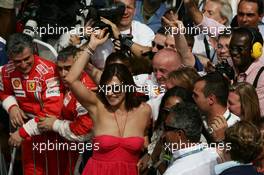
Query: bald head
[{"x": 164, "y": 62}]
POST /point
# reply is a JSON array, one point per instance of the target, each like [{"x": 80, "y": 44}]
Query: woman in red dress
[{"x": 120, "y": 119}]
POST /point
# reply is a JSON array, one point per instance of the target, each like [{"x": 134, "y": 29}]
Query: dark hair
[
  {"x": 187, "y": 117},
  {"x": 176, "y": 91},
  {"x": 260, "y": 122},
  {"x": 118, "y": 56},
  {"x": 258, "y": 2},
  {"x": 245, "y": 139},
  {"x": 161, "y": 31},
  {"x": 216, "y": 84},
  {"x": 124, "y": 76},
  {"x": 253, "y": 34},
  {"x": 18, "y": 42},
  {"x": 226, "y": 33},
  {"x": 65, "y": 53}
]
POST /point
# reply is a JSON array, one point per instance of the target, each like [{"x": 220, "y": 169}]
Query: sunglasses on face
[
  {"x": 159, "y": 47},
  {"x": 165, "y": 111},
  {"x": 168, "y": 128},
  {"x": 238, "y": 49}
]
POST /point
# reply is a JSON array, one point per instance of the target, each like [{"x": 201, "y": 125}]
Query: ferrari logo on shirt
[
  {"x": 31, "y": 86},
  {"x": 16, "y": 83},
  {"x": 157, "y": 91}
]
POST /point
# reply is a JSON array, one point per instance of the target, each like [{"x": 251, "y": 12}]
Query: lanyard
[
  {"x": 189, "y": 153},
  {"x": 229, "y": 116}
]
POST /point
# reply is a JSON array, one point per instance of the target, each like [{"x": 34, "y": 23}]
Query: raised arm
[
  {"x": 85, "y": 96},
  {"x": 193, "y": 11},
  {"x": 180, "y": 41}
]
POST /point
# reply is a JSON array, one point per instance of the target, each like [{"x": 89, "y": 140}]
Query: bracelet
[{"x": 90, "y": 49}]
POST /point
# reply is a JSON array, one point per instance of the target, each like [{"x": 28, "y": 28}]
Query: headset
[{"x": 256, "y": 43}]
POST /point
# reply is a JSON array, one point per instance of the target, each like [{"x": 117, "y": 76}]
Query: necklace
[{"x": 121, "y": 132}]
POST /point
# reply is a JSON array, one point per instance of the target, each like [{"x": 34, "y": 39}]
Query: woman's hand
[
  {"x": 115, "y": 30},
  {"x": 98, "y": 37}
]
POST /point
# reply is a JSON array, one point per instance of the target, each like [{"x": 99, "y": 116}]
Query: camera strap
[
  {"x": 207, "y": 49},
  {"x": 255, "y": 83}
]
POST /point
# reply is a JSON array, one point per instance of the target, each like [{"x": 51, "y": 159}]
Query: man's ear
[
  {"x": 211, "y": 99},
  {"x": 223, "y": 20}
]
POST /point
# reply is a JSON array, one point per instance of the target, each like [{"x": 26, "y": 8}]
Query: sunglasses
[
  {"x": 159, "y": 47},
  {"x": 166, "y": 111},
  {"x": 238, "y": 49},
  {"x": 168, "y": 128}
]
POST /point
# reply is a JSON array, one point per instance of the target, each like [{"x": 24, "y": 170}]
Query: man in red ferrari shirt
[
  {"x": 34, "y": 83},
  {"x": 75, "y": 123}
]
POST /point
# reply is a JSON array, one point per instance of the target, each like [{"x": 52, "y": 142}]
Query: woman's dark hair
[
  {"x": 184, "y": 94},
  {"x": 125, "y": 77},
  {"x": 118, "y": 56}
]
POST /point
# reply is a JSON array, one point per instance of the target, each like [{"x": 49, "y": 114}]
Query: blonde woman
[{"x": 243, "y": 102}]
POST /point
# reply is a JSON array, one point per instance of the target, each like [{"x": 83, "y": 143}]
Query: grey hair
[
  {"x": 225, "y": 11},
  {"x": 187, "y": 117},
  {"x": 18, "y": 42}
]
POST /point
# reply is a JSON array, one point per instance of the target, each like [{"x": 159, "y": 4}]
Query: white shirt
[
  {"x": 2, "y": 40},
  {"x": 155, "y": 96},
  {"x": 142, "y": 35},
  {"x": 193, "y": 163},
  {"x": 226, "y": 165},
  {"x": 199, "y": 47},
  {"x": 230, "y": 118},
  {"x": 155, "y": 105}
]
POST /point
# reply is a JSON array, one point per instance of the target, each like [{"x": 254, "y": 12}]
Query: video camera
[{"x": 108, "y": 9}]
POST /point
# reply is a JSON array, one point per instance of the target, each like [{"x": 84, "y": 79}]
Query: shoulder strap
[
  {"x": 207, "y": 48},
  {"x": 255, "y": 83}
]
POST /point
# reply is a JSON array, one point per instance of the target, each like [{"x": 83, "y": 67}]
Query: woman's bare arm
[{"x": 85, "y": 96}]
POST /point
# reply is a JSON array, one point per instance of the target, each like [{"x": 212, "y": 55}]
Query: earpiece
[{"x": 256, "y": 45}]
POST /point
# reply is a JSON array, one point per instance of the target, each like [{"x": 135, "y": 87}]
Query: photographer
[{"x": 126, "y": 26}]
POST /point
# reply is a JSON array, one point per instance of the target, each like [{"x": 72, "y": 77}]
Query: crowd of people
[{"x": 165, "y": 90}]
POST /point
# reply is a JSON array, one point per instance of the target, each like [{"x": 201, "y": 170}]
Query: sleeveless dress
[{"x": 115, "y": 156}]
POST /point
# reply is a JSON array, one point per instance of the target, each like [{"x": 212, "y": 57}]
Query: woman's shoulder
[{"x": 144, "y": 107}]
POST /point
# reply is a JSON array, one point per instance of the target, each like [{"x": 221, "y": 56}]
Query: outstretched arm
[
  {"x": 180, "y": 42},
  {"x": 85, "y": 96},
  {"x": 193, "y": 11}
]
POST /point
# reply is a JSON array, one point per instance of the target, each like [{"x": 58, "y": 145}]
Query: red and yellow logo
[{"x": 31, "y": 86}]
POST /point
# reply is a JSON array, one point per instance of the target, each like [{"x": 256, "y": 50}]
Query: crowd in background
[{"x": 159, "y": 87}]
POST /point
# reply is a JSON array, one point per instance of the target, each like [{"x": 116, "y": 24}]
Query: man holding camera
[{"x": 123, "y": 30}]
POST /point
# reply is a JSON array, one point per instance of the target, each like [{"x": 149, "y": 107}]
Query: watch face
[{"x": 210, "y": 130}]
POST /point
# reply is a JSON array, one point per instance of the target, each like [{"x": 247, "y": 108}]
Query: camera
[
  {"x": 225, "y": 69},
  {"x": 109, "y": 9}
]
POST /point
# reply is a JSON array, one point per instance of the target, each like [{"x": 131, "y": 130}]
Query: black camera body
[
  {"x": 109, "y": 9},
  {"x": 225, "y": 69}
]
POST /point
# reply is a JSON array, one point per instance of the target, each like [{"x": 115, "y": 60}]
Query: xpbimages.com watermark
[
  {"x": 59, "y": 30},
  {"x": 211, "y": 31},
  {"x": 172, "y": 147},
  {"x": 146, "y": 89},
  {"x": 64, "y": 146}
]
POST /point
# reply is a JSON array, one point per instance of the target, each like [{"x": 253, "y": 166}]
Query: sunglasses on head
[{"x": 159, "y": 47}]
